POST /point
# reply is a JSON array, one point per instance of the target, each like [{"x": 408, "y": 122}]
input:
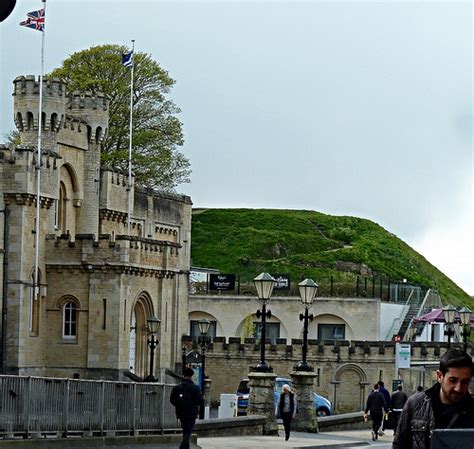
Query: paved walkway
[{"x": 333, "y": 440}]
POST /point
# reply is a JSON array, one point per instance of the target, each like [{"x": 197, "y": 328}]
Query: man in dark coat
[
  {"x": 398, "y": 400},
  {"x": 446, "y": 405},
  {"x": 386, "y": 395},
  {"x": 376, "y": 406},
  {"x": 186, "y": 398}
]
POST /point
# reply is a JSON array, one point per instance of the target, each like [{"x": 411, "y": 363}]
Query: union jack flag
[{"x": 34, "y": 20}]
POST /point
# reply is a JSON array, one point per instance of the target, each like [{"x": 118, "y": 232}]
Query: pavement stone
[{"x": 332, "y": 440}]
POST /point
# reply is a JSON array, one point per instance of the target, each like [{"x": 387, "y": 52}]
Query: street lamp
[
  {"x": 449, "y": 313},
  {"x": 264, "y": 284},
  {"x": 308, "y": 289},
  {"x": 153, "y": 324},
  {"x": 203, "y": 340},
  {"x": 465, "y": 314}
]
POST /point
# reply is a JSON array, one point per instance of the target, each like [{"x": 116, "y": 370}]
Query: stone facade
[
  {"x": 98, "y": 285},
  {"x": 345, "y": 371},
  {"x": 230, "y": 312}
]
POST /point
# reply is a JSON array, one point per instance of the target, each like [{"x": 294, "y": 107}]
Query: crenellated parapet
[
  {"x": 82, "y": 118},
  {"x": 346, "y": 350},
  {"x": 17, "y": 167},
  {"x": 123, "y": 253}
]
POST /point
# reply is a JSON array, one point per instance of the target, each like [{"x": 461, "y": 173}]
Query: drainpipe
[{"x": 6, "y": 213}]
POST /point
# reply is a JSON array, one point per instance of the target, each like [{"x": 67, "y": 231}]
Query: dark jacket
[
  {"x": 281, "y": 403},
  {"x": 399, "y": 398},
  {"x": 386, "y": 395},
  {"x": 187, "y": 398},
  {"x": 420, "y": 417},
  {"x": 376, "y": 404}
]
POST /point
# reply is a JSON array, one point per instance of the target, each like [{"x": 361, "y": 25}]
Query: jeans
[{"x": 187, "y": 424}]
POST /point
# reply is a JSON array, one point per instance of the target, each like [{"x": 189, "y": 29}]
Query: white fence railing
[{"x": 32, "y": 405}]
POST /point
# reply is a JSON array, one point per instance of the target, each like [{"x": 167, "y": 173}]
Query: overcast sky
[{"x": 344, "y": 107}]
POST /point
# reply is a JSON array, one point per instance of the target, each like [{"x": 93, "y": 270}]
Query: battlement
[
  {"x": 88, "y": 100},
  {"x": 105, "y": 251},
  {"x": 29, "y": 85},
  {"x": 345, "y": 349}
]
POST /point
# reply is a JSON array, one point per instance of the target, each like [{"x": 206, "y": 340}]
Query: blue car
[{"x": 322, "y": 405}]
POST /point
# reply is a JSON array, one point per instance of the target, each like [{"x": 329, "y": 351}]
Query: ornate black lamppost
[
  {"x": 203, "y": 341},
  {"x": 153, "y": 324},
  {"x": 449, "y": 314},
  {"x": 264, "y": 284},
  {"x": 308, "y": 289},
  {"x": 465, "y": 315}
]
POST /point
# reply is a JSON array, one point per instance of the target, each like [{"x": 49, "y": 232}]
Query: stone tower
[{"x": 98, "y": 285}]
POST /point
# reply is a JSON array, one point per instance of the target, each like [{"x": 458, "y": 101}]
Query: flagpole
[
  {"x": 38, "y": 165},
  {"x": 130, "y": 142}
]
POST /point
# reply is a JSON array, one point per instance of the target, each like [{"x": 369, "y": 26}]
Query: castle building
[{"x": 97, "y": 284}]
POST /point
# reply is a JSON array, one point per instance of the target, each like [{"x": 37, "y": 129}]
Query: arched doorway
[
  {"x": 350, "y": 382},
  {"x": 138, "y": 348}
]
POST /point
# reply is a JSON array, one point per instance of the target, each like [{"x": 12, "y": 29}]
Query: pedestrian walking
[
  {"x": 286, "y": 408},
  {"x": 376, "y": 406},
  {"x": 446, "y": 405},
  {"x": 186, "y": 398},
  {"x": 386, "y": 395},
  {"x": 398, "y": 400}
]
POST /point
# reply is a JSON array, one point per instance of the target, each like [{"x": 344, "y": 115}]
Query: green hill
[{"x": 311, "y": 244}]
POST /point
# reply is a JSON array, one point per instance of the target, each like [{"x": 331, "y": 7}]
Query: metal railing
[{"x": 32, "y": 405}]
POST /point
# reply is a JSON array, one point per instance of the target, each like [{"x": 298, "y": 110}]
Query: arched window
[
  {"x": 62, "y": 205},
  {"x": 30, "y": 121},
  {"x": 69, "y": 320},
  {"x": 19, "y": 121}
]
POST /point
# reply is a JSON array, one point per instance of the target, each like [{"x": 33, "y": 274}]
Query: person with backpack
[{"x": 186, "y": 398}]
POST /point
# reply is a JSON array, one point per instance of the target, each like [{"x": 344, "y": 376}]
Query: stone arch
[
  {"x": 89, "y": 133},
  {"x": 54, "y": 122},
  {"x": 19, "y": 121},
  {"x": 30, "y": 121},
  {"x": 239, "y": 332},
  {"x": 44, "y": 124},
  {"x": 328, "y": 318},
  {"x": 197, "y": 315},
  {"x": 350, "y": 385},
  {"x": 141, "y": 310},
  {"x": 99, "y": 135}
]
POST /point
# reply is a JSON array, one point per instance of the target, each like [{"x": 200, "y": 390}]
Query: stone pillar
[
  {"x": 303, "y": 384},
  {"x": 261, "y": 400}
]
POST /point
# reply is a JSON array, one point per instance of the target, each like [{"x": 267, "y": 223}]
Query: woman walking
[{"x": 286, "y": 408}]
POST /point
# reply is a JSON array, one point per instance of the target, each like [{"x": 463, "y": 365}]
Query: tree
[
  {"x": 157, "y": 132},
  {"x": 248, "y": 329}
]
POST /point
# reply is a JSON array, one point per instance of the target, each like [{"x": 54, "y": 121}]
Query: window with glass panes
[
  {"x": 69, "y": 320},
  {"x": 331, "y": 331},
  {"x": 272, "y": 331}
]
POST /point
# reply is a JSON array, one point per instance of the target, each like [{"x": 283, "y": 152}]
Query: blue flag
[{"x": 127, "y": 59}]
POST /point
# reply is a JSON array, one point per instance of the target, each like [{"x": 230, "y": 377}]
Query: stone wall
[{"x": 346, "y": 371}]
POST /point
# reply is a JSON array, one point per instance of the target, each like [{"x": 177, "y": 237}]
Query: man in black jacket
[
  {"x": 398, "y": 401},
  {"x": 186, "y": 398},
  {"x": 446, "y": 405},
  {"x": 376, "y": 405}
]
